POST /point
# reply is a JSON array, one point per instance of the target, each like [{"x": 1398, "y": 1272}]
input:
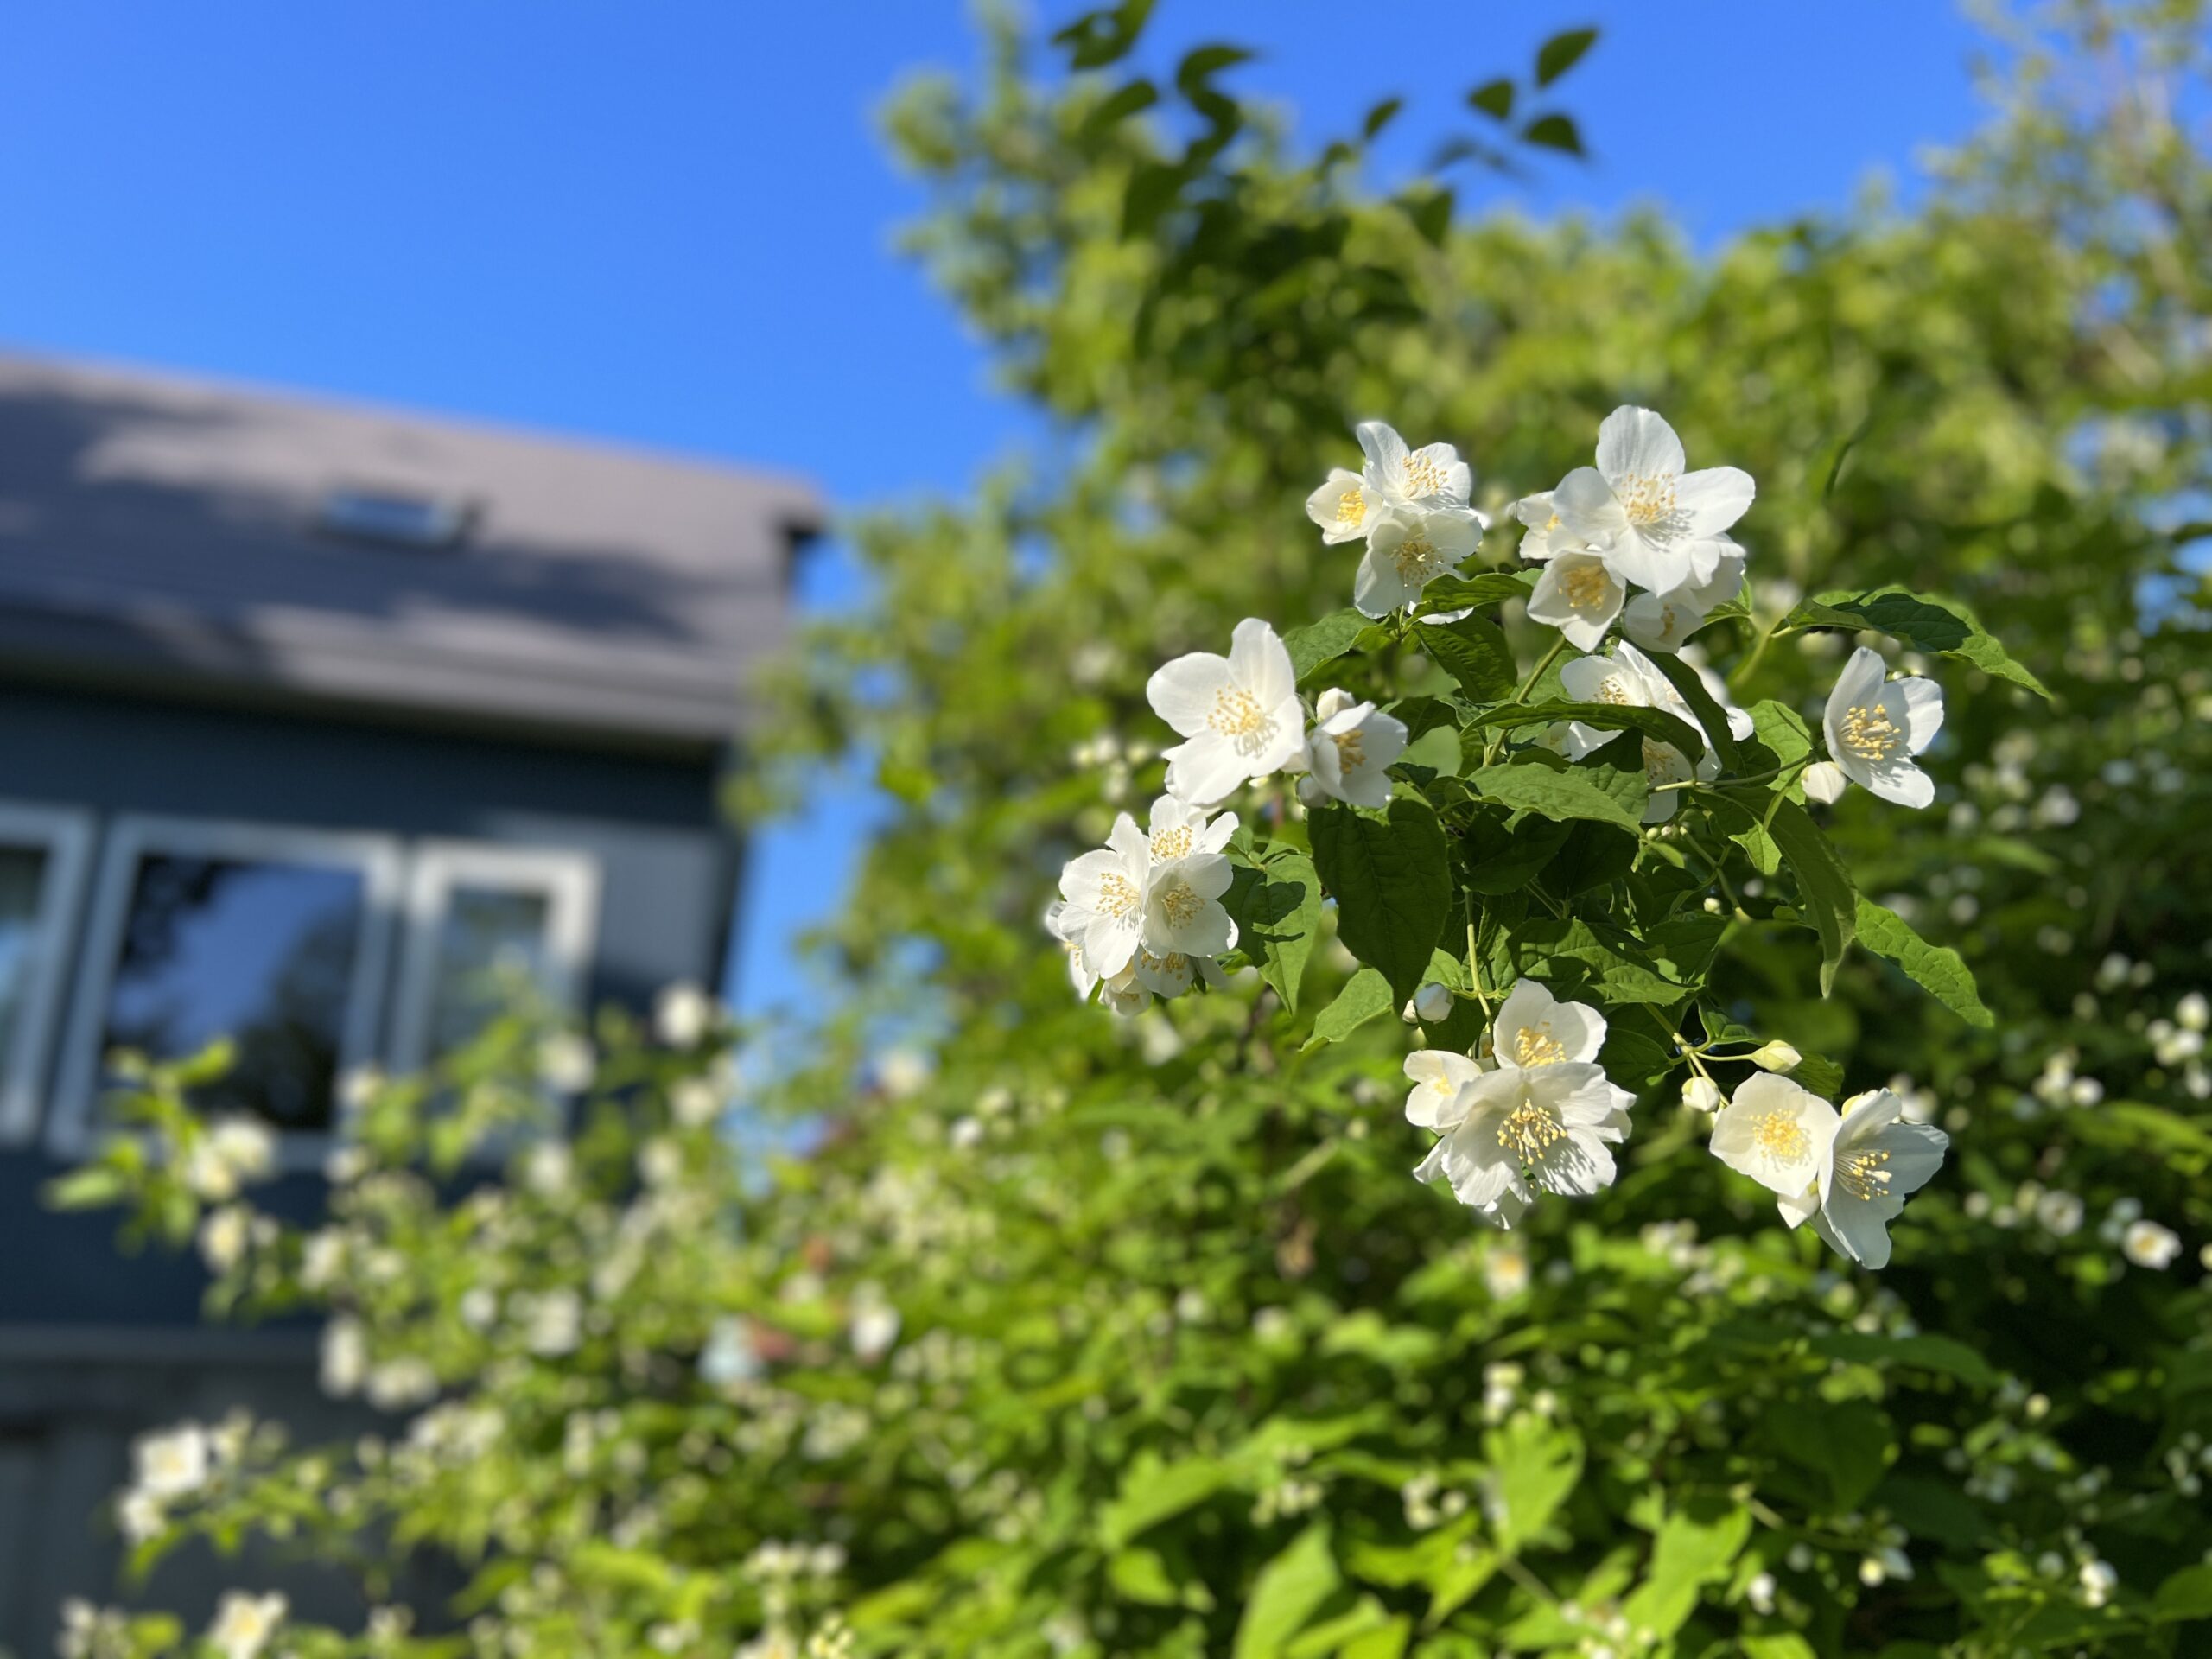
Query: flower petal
[
  {"x": 1713, "y": 499},
  {"x": 1183, "y": 692},
  {"x": 1637, "y": 443},
  {"x": 1587, "y": 508},
  {"x": 1260, "y": 663}
]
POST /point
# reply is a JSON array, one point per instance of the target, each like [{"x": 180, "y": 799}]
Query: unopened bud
[
  {"x": 1777, "y": 1056},
  {"x": 1310, "y": 793},
  {"x": 1703, "y": 1095},
  {"x": 1824, "y": 782},
  {"x": 1432, "y": 1004},
  {"x": 1333, "y": 702}
]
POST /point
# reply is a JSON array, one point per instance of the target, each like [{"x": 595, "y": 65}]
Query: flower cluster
[{"x": 1632, "y": 732}]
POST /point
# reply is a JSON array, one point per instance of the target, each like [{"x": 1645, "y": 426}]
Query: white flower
[
  {"x": 1105, "y": 895},
  {"x": 694, "y": 1102},
  {"x": 555, "y": 1323},
  {"x": 1342, "y": 506},
  {"x": 1183, "y": 913},
  {"x": 223, "y": 1237},
  {"x": 1659, "y": 526},
  {"x": 1535, "y": 1028},
  {"x": 2194, "y": 1011},
  {"x": 172, "y": 1463},
  {"x": 1777, "y": 1056},
  {"x": 244, "y": 1623},
  {"x": 1068, "y": 923},
  {"x": 1628, "y": 677},
  {"x": 1547, "y": 536},
  {"x": 1579, "y": 595},
  {"x": 1516, "y": 1131},
  {"x": 873, "y": 1328},
  {"x": 1431, "y": 476},
  {"x": 1437, "y": 1074},
  {"x": 567, "y": 1063},
  {"x": 1760, "y": 1593},
  {"x": 2149, "y": 1245},
  {"x": 1176, "y": 830},
  {"x": 1875, "y": 1160},
  {"x": 1664, "y": 621},
  {"x": 233, "y": 1151},
  {"x": 1407, "y": 549},
  {"x": 1431, "y": 1004},
  {"x": 1703, "y": 1095},
  {"x": 1125, "y": 993},
  {"x": 1780, "y": 1135},
  {"x": 2060, "y": 1213},
  {"x": 1875, "y": 729},
  {"x": 684, "y": 1014},
  {"x": 1824, "y": 782},
  {"x": 345, "y": 1357},
  {"x": 1239, "y": 713},
  {"x": 2098, "y": 1580},
  {"x": 1172, "y": 973},
  {"x": 728, "y": 1356},
  {"x": 139, "y": 1517},
  {"x": 1348, "y": 751}
]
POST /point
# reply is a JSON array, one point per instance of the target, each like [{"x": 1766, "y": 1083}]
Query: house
[{"x": 308, "y": 712}]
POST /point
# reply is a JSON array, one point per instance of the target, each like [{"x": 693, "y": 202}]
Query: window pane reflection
[
  {"x": 490, "y": 939},
  {"x": 23, "y": 880},
  {"x": 260, "y": 951}
]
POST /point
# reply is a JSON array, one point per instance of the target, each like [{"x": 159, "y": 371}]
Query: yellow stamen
[
  {"x": 1586, "y": 586},
  {"x": 1535, "y": 1045},
  {"x": 1528, "y": 1130},
  {"x": 1171, "y": 843},
  {"x": 1869, "y": 734},
  {"x": 1781, "y": 1138}
]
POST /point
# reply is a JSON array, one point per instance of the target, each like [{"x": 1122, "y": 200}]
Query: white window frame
[
  {"x": 568, "y": 880},
  {"x": 66, "y": 835},
  {"x": 73, "y": 1126}
]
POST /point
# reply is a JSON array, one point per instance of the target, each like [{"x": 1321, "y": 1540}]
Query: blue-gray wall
[{"x": 668, "y": 871}]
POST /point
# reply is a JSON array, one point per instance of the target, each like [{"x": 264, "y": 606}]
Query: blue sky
[{"x": 672, "y": 224}]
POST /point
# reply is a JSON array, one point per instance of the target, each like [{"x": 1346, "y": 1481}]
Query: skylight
[{"x": 392, "y": 519}]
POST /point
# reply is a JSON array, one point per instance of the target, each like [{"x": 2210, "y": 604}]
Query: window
[
  {"x": 478, "y": 912},
  {"x": 392, "y": 519},
  {"x": 276, "y": 939},
  {"x": 42, "y": 858}
]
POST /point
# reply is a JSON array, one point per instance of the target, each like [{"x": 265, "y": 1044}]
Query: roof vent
[{"x": 388, "y": 518}]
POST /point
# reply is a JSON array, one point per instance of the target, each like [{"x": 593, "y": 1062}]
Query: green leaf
[
  {"x": 1561, "y": 52},
  {"x": 1499, "y": 855},
  {"x": 1782, "y": 729},
  {"x": 2184, "y": 1596},
  {"x": 1202, "y": 63},
  {"x": 1554, "y": 132},
  {"x": 1848, "y": 1443},
  {"x": 1474, "y": 652},
  {"x": 1492, "y": 587},
  {"x": 1140, "y": 1575},
  {"x": 1694, "y": 1547},
  {"x": 1576, "y": 957},
  {"x": 1533, "y": 1468},
  {"x": 1392, "y": 878},
  {"x": 1925, "y": 1351},
  {"x": 1936, "y": 968},
  {"x": 1365, "y": 994},
  {"x": 1494, "y": 98},
  {"x": 1287, "y": 1592},
  {"x": 1921, "y": 623},
  {"x": 1276, "y": 910},
  {"x": 1379, "y": 117},
  {"x": 1152, "y": 1490},
  {"x": 1436, "y": 750},
  {"x": 1605, "y": 717},
  {"x": 1325, "y": 641},
  {"x": 1110, "y": 112},
  {"x": 1105, "y": 36},
  {"x": 1823, "y": 883},
  {"x": 1539, "y": 781},
  {"x": 1430, "y": 210},
  {"x": 1704, "y": 709}
]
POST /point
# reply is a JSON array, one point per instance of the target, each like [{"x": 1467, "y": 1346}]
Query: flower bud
[
  {"x": 1310, "y": 793},
  {"x": 1432, "y": 1004},
  {"x": 1332, "y": 702},
  {"x": 1703, "y": 1095},
  {"x": 1777, "y": 1056},
  {"x": 1824, "y": 782}
]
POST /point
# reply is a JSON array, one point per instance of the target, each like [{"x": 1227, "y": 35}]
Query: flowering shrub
[
  {"x": 1087, "y": 1335},
  {"x": 1598, "y": 825}
]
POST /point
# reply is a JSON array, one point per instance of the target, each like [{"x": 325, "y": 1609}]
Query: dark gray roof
[{"x": 176, "y": 531}]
